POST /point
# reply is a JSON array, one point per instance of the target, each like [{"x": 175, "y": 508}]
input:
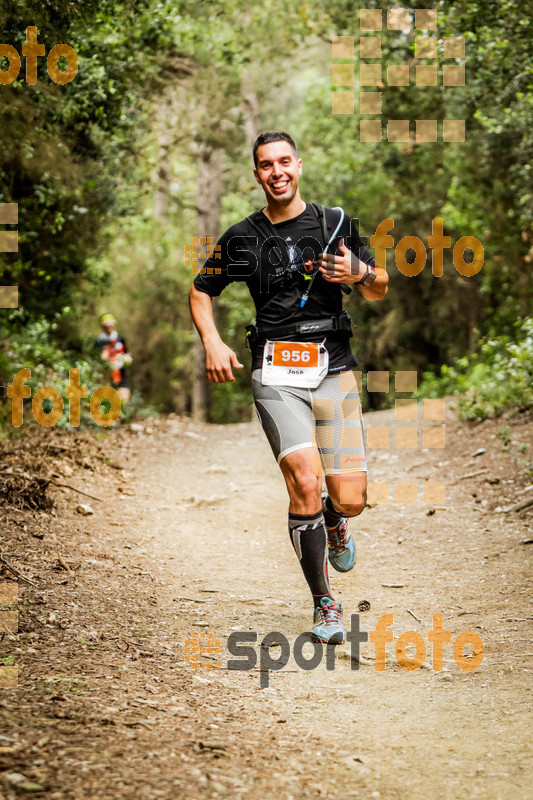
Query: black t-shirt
[{"x": 277, "y": 290}]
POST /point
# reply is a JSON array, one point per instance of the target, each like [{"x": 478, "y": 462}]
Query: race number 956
[{"x": 296, "y": 354}]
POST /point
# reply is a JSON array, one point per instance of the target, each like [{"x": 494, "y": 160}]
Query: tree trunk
[
  {"x": 167, "y": 121},
  {"x": 210, "y": 166},
  {"x": 251, "y": 116}
]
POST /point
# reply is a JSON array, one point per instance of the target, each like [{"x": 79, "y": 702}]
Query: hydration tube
[{"x": 305, "y": 296}]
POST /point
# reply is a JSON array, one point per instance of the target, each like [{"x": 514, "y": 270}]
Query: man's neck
[{"x": 276, "y": 212}]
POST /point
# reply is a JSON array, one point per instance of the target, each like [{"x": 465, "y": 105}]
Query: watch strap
[{"x": 364, "y": 280}]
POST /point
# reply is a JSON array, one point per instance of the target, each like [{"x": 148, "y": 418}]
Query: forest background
[{"x": 150, "y": 146}]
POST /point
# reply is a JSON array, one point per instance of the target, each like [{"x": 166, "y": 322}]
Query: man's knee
[
  {"x": 352, "y": 502},
  {"x": 351, "y": 509},
  {"x": 306, "y": 486}
]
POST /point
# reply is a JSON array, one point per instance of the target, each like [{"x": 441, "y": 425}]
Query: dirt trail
[{"x": 202, "y": 519}]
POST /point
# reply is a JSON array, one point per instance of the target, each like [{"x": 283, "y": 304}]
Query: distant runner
[
  {"x": 114, "y": 351},
  {"x": 296, "y": 259}
]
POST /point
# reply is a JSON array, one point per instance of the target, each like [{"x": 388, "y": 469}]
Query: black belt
[{"x": 342, "y": 322}]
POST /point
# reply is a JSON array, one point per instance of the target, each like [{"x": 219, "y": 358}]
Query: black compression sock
[
  {"x": 308, "y": 537},
  {"x": 331, "y": 515}
]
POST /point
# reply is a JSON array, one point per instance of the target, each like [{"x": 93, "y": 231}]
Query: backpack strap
[
  {"x": 262, "y": 226},
  {"x": 320, "y": 213}
]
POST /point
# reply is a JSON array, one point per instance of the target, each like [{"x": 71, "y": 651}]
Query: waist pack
[{"x": 342, "y": 322}]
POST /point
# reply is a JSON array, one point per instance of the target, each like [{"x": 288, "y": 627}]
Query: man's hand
[
  {"x": 219, "y": 359},
  {"x": 342, "y": 269}
]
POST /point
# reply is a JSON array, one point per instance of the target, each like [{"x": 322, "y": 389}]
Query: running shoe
[
  {"x": 341, "y": 546},
  {"x": 327, "y": 622}
]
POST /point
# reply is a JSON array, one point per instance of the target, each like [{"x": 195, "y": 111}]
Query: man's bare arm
[
  {"x": 219, "y": 358},
  {"x": 378, "y": 288}
]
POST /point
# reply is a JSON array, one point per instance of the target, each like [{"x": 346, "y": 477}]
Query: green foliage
[
  {"x": 505, "y": 435},
  {"x": 70, "y": 147},
  {"x": 497, "y": 379},
  {"x": 482, "y": 187},
  {"x": 38, "y": 348}
]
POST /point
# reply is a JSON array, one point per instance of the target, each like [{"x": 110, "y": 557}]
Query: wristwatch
[{"x": 368, "y": 278}]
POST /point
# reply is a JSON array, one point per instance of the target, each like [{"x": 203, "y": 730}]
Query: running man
[
  {"x": 114, "y": 351},
  {"x": 296, "y": 263}
]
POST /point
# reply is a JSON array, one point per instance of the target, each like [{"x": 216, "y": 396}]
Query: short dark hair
[{"x": 273, "y": 136}]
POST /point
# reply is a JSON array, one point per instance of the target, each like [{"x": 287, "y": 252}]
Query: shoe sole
[{"x": 332, "y": 640}]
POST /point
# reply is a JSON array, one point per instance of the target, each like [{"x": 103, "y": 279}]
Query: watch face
[{"x": 370, "y": 278}]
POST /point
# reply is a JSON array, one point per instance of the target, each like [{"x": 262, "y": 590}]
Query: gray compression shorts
[{"x": 327, "y": 418}]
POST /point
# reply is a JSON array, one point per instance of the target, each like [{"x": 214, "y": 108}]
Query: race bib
[{"x": 303, "y": 364}]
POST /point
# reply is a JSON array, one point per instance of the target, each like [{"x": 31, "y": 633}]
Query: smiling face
[{"x": 278, "y": 172}]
